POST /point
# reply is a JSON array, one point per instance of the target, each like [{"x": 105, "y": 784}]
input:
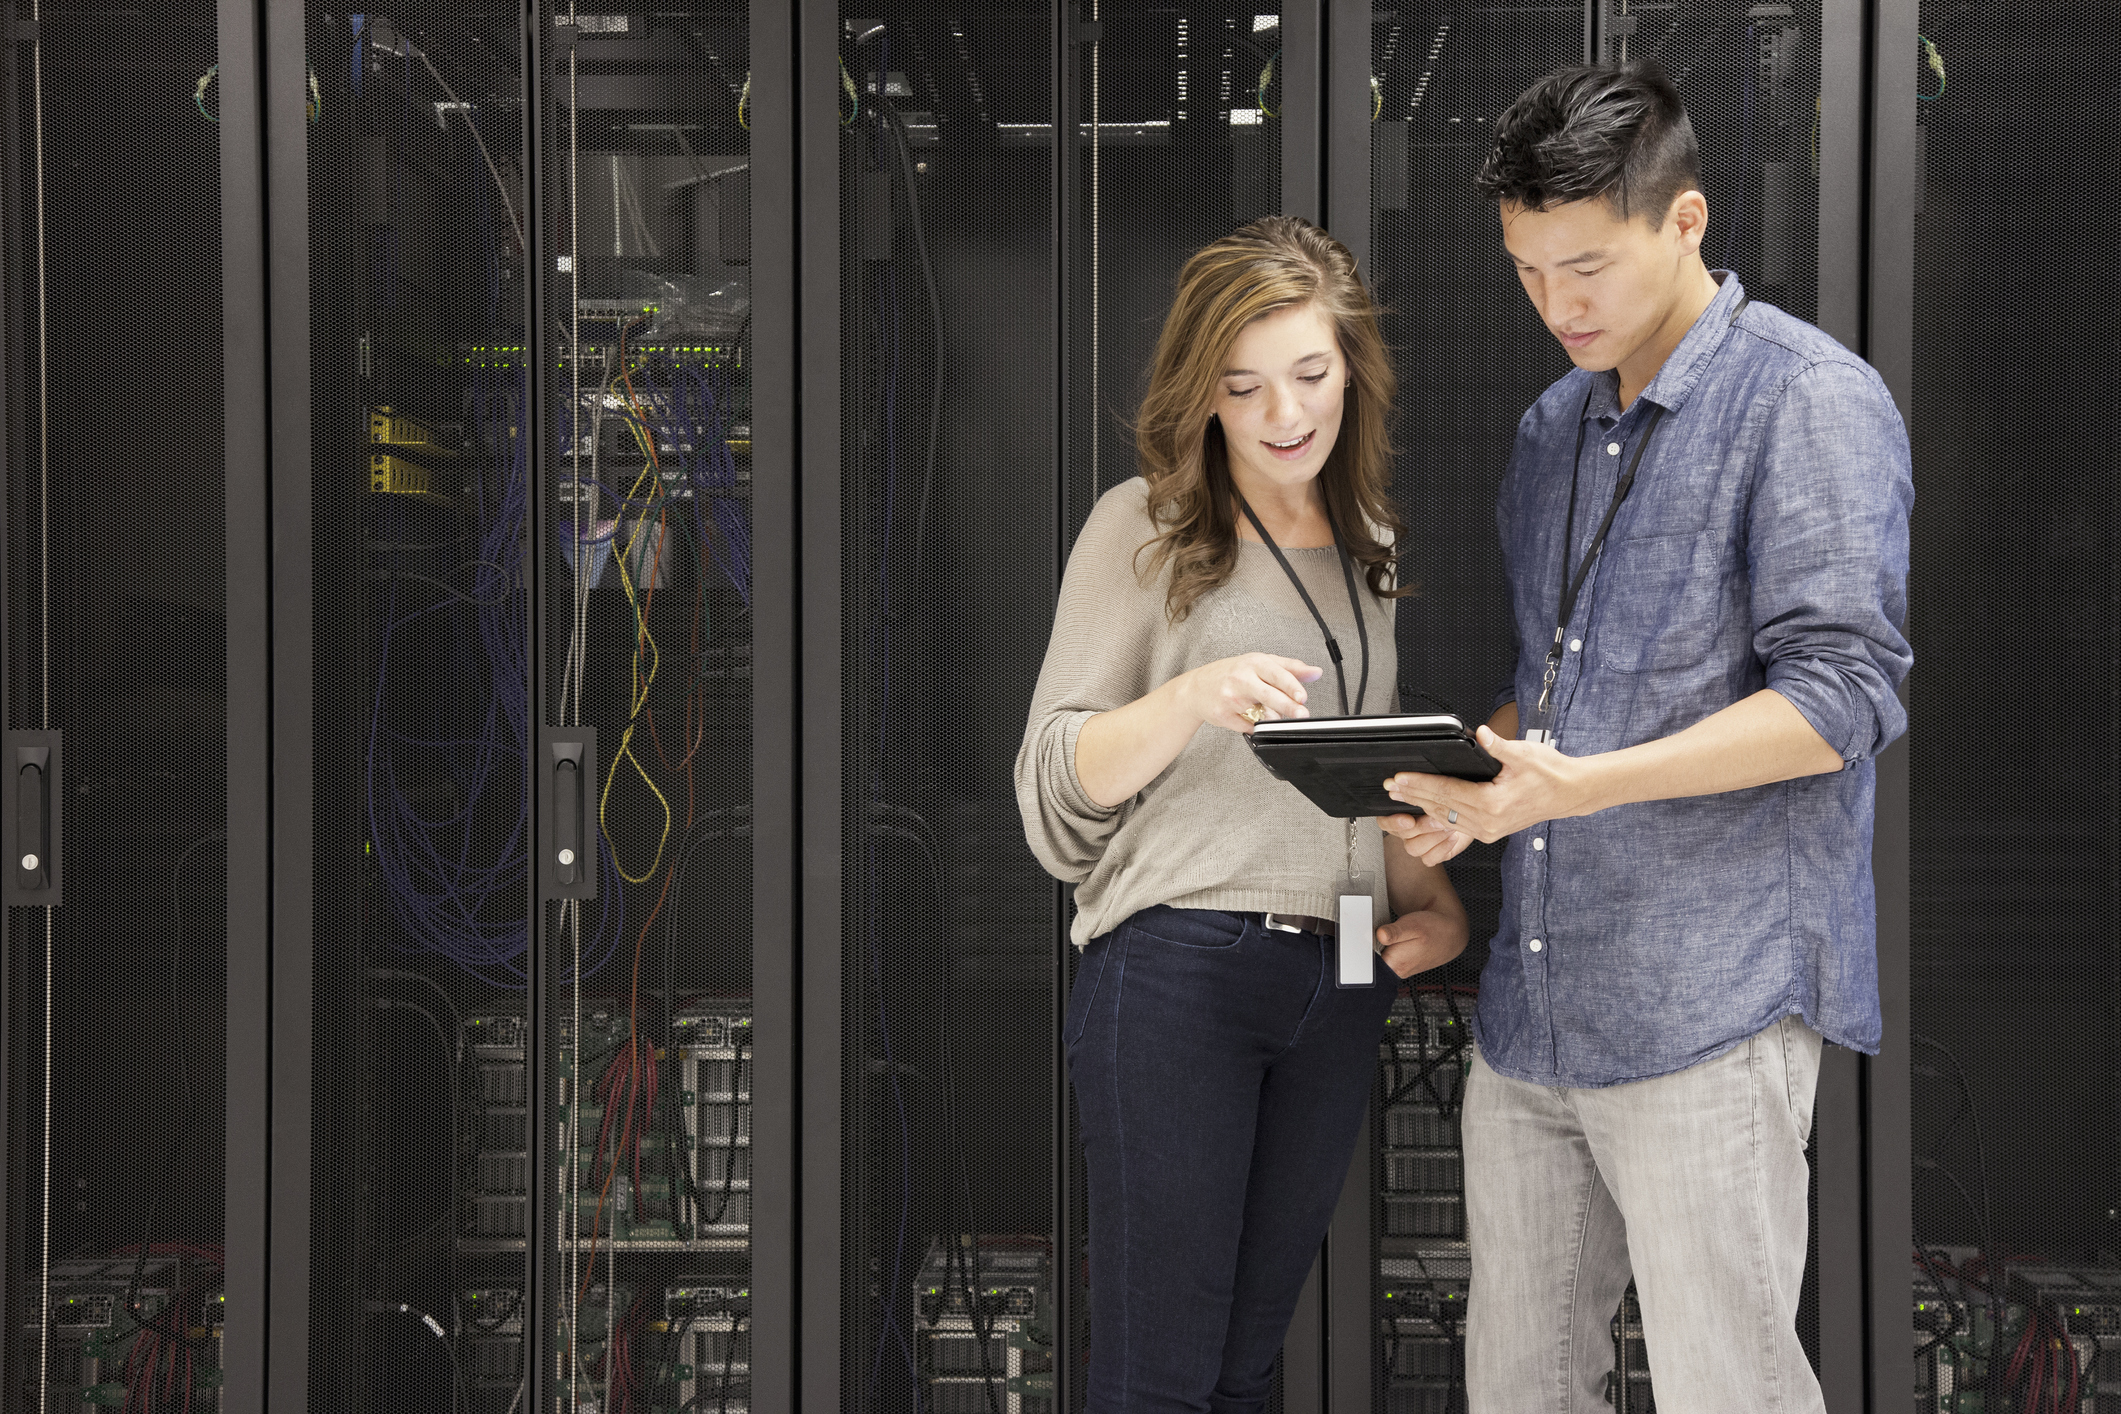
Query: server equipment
[
  {"x": 489, "y": 1341},
  {"x": 1424, "y": 1267},
  {"x": 707, "y": 1346},
  {"x": 135, "y": 1330},
  {"x": 983, "y": 1321},
  {"x": 2040, "y": 1337}
]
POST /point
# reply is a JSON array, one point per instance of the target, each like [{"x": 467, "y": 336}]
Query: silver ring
[{"x": 1450, "y": 817}]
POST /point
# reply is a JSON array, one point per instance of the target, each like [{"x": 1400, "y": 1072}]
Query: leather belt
[{"x": 1301, "y": 923}]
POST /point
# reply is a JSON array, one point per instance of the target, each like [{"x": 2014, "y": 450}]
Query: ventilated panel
[
  {"x": 949, "y": 514},
  {"x": 115, "y": 638},
  {"x": 1472, "y": 355},
  {"x": 2016, "y": 859},
  {"x": 645, "y": 1076},
  {"x": 419, "y": 491}
]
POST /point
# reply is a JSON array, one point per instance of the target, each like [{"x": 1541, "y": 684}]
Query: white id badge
[{"x": 1358, "y": 924}]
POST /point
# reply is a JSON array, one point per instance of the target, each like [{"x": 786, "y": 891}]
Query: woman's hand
[
  {"x": 1119, "y": 752},
  {"x": 1220, "y": 693},
  {"x": 1416, "y": 942}
]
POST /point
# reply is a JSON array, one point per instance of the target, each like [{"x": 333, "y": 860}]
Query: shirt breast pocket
[{"x": 1660, "y": 601}]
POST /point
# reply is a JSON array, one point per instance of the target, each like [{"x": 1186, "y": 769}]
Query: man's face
[{"x": 1604, "y": 286}]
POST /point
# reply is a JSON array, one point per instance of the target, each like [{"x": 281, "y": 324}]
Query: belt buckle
[
  {"x": 1279, "y": 927},
  {"x": 1286, "y": 923}
]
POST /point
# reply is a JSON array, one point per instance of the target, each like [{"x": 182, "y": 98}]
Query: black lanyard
[
  {"x": 1572, "y": 584},
  {"x": 1362, "y": 630}
]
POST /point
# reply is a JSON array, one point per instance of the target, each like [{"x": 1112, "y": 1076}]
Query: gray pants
[{"x": 1692, "y": 1183}]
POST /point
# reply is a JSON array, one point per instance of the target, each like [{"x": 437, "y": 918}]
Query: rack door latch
[
  {"x": 567, "y": 813},
  {"x": 29, "y": 780}
]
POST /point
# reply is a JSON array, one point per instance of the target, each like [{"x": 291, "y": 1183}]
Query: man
[{"x": 1705, "y": 527}]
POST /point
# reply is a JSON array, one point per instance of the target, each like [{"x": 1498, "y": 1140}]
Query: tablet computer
[{"x": 1341, "y": 762}]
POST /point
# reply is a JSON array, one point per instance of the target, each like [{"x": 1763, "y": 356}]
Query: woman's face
[{"x": 1281, "y": 397}]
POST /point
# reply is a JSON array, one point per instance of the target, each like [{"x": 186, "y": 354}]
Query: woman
[{"x": 1220, "y": 1074}]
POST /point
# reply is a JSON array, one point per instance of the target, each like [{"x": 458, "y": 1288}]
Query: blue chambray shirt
[{"x": 1765, "y": 544}]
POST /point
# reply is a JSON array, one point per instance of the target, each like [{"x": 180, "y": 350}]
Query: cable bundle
[
  {"x": 162, "y": 1361},
  {"x": 455, "y": 883}
]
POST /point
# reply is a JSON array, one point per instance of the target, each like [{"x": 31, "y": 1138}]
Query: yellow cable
[{"x": 643, "y": 640}]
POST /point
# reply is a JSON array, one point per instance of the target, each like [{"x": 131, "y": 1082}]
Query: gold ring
[{"x": 1253, "y": 713}]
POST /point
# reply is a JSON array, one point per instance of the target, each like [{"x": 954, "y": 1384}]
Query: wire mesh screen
[
  {"x": 2017, "y": 865},
  {"x": 1472, "y": 355},
  {"x": 949, "y": 503},
  {"x": 419, "y": 489},
  {"x": 116, "y": 638},
  {"x": 647, "y": 632}
]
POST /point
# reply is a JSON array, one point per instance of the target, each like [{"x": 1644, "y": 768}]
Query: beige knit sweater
[{"x": 1214, "y": 830}]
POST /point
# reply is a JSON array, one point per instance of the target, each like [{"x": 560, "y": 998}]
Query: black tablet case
[{"x": 1342, "y": 769}]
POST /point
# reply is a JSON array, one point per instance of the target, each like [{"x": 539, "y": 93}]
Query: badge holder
[{"x": 1358, "y": 924}]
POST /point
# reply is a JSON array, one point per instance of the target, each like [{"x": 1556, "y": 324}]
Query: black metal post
[
  {"x": 1837, "y": 1112},
  {"x": 542, "y": 1287},
  {"x": 284, "y": 389},
  {"x": 815, "y": 124},
  {"x": 1888, "y": 342},
  {"x": 1072, "y": 45},
  {"x": 250, "y": 1337},
  {"x": 1303, "y": 80},
  {"x": 776, "y": 763}
]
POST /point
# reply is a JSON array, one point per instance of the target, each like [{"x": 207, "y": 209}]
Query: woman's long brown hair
[{"x": 1274, "y": 263}]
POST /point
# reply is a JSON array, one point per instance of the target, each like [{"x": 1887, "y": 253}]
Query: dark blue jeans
[{"x": 1221, "y": 1078}]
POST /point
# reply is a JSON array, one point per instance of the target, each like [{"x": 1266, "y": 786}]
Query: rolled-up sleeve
[
  {"x": 1828, "y": 553},
  {"x": 1097, "y": 659},
  {"x": 1505, "y": 536}
]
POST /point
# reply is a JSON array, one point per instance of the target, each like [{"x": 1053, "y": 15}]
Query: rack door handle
[
  {"x": 567, "y": 821},
  {"x": 29, "y": 826},
  {"x": 567, "y": 866},
  {"x": 32, "y": 819}
]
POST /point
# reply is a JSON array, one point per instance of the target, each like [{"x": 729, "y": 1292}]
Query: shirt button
[
  {"x": 1575, "y": 645},
  {"x": 1539, "y": 844},
  {"x": 1612, "y": 449},
  {"x": 1536, "y": 945}
]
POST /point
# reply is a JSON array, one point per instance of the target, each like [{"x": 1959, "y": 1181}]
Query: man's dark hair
[{"x": 1613, "y": 130}]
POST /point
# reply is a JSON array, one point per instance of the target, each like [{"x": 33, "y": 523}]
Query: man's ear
[{"x": 1689, "y": 215}]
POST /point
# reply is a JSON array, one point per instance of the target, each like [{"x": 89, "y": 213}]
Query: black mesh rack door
[
  {"x": 1474, "y": 355},
  {"x": 116, "y": 683},
  {"x": 947, "y": 502},
  {"x": 418, "y": 495},
  {"x": 2017, "y": 576},
  {"x": 644, "y": 1013}
]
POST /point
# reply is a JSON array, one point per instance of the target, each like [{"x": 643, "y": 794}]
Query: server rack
[
  {"x": 121, "y": 778},
  {"x": 518, "y": 458},
  {"x": 2012, "y": 1063}
]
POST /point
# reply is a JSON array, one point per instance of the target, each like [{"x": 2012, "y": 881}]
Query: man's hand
[
  {"x": 1754, "y": 742},
  {"x": 1416, "y": 942},
  {"x": 1537, "y": 783}
]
